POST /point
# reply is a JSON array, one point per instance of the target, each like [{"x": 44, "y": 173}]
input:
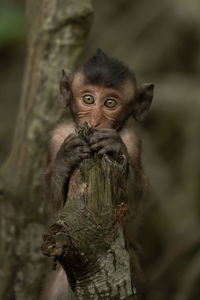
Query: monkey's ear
[
  {"x": 142, "y": 103},
  {"x": 65, "y": 87}
]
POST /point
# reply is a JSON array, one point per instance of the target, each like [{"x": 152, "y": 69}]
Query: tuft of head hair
[{"x": 105, "y": 70}]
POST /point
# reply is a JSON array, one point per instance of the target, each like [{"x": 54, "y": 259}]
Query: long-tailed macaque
[{"x": 104, "y": 93}]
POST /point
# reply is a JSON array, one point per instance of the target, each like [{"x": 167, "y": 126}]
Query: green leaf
[{"x": 12, "y": 26}]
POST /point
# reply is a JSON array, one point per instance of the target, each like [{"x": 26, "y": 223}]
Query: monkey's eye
[
  {"x": 110, "y": 103},
  {"x": 88, "y": 99}
]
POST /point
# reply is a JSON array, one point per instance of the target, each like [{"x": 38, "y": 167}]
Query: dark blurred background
[{"x": 160, "y": 41}]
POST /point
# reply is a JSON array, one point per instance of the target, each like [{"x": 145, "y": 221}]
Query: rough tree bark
[
  {"x": 88, "y": 239},
  {"x": 57, "y": 31}
]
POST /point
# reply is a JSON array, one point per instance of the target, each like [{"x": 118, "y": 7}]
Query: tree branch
[
  {"x": 88, "y": 239},
  {"x": 57, "y": 31}
]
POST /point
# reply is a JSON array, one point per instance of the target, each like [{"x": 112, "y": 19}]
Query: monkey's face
[{"x": 99, "y": 106}]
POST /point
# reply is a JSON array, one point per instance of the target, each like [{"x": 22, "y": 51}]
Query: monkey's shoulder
[
  {"x": 63, "y": 129},
  {"x": 58, "y": 135},
  {"x": 131, "y": 139}
]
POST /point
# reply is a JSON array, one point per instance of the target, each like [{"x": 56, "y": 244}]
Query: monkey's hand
[
  {"x": 71, "y": 153},
  {"x": 107, "y": 141}
]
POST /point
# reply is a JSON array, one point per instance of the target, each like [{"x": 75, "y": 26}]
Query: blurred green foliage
[{"x": 12, "y": 25}]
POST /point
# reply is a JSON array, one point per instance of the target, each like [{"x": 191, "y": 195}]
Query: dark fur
[{"x": 105, "y": 70}]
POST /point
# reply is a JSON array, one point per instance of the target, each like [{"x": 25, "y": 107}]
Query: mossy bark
[{"x": 57, "y": 31}]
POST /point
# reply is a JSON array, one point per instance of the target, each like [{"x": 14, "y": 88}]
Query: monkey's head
[{"x": 104, "y": 93}]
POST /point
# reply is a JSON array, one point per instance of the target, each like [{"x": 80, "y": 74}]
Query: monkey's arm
[
  {"x": 133, "y": 144},
  {"x": 66, "y": 151},
  {"x": 126, "y": 141}
]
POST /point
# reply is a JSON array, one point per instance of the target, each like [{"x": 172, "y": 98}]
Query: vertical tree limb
[{"x": 57, "y": 31}]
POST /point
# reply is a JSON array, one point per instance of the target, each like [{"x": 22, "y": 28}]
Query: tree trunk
[
  {"x": 88, "y": 239},
  {"x": 57, "y": 31}
]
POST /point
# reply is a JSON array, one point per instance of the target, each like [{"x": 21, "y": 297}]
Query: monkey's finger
[
  {"x": 110, "y": 148},
  {"x": 104, "y": 150},
  {"x": 85, "y": 149},
  {"x": 102, "y": 136},
  {"x": 75, "y": 141},
  {"x": 99, "y": 145},
  {"x": 82, "y": 150},
  {"x": 84, "y": 155},
  {"x": 77, "y": 157}
]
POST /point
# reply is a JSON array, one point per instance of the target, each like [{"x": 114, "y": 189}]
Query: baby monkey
[{"x": 104, "y": 93}]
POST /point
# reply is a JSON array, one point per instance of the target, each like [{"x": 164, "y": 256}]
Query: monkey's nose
[
  {"x": 94, "y": 123},
  {"x": 95, "y": 118}
]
